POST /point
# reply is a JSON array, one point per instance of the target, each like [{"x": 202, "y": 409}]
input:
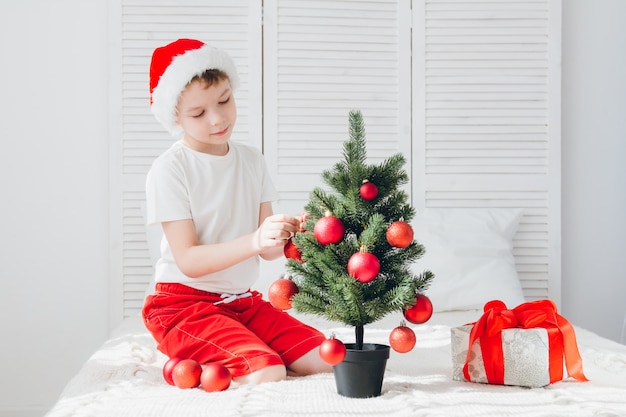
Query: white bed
[
  {"x": 123, "y": 378},
  {"x": 470, "y": 252}
]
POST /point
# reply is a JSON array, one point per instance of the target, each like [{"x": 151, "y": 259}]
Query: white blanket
[{"x": 124, "y": 378}]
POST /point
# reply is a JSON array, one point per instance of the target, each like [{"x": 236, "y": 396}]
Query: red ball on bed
[
  {"x": 186, "y": 374},
  {"x": 215, "y": 377},
  {"x": 169, "y": 367}
]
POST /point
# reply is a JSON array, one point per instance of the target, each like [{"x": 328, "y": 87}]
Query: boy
[{"x": 212, "y": 198}]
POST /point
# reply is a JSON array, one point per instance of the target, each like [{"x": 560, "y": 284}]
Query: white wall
[
  {"x": 594, "y": 164},
  {"x": 54, "y": 185},
  {"x": 54, "y": 196}
]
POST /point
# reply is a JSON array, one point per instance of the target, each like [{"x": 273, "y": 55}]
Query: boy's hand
[
  {"x": 276, "y": 230},
  {"x": 302, "y": 218}
]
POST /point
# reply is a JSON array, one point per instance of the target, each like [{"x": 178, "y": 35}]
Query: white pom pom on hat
[{"x": 171, "y": 69}]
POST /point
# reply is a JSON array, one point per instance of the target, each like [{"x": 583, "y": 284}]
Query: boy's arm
[{"x": 196, "y": 260}]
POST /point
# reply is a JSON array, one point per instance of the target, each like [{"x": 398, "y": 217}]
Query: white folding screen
[
  {"x": 466, "y": 90},
  {"x": 321, "y": 60},
  {"x": 486, "y": 113}
]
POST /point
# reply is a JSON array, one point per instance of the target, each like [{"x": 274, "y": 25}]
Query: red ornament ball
[
  {"x": 402, "y": 339},
  {"x": 399, "y": 234},
  {"x": 169, "y": 367},
  {"x": 332, "y": 351},
  {"x": 363, "y": 266},
  {"x": 215, "y": 377},
  {"x": 186, "y": 374},
  {"x": 368, "y": 190},
  {"x": 291, "y": 251},
  {"x": 329, "y": 229},
  {"x": 280, "y": 293},
  {"x": 421, "y": 311}
]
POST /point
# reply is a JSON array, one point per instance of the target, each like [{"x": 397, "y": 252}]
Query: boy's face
[{"x": 207, "y": 115}]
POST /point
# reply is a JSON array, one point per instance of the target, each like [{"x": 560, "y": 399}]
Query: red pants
[{"x": 244, "y": 335}]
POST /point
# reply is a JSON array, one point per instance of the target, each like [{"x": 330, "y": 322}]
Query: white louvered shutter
[
  {"x": 487, "y": 117},
  {"x": 145, "y": 25},
  {"x": 468, "y": 91},
  {"x": 321, "y": 60}
]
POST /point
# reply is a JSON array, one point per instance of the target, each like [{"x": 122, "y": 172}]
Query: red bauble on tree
[
  {"x": 421, "y": 311},
  {"x": 280, "y": 293},
  {"x": 402, "y": 339},
  {"x": 368, "y": 190},
  {"x": 399, "y": 234},
  {"x": 329, "y": 229},
  {"x": 363, "y": 266},
  {"x": 291, "y": 251},
  {"x": 332, "y": 351}
]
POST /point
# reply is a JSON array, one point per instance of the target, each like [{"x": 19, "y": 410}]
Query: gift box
[
  {"x": 530, "y": 346},
  {"x": 525, "y": 352}
]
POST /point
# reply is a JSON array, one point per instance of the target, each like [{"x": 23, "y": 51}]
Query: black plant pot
[{"x": 360, "y": 375}]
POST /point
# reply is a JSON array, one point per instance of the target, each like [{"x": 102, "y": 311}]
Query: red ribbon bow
[{"x": 542, "y": 313}]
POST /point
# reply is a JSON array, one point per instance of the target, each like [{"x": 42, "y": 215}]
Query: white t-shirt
[{"x": 222, "y": 194}]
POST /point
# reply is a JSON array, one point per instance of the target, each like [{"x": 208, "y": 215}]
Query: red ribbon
[{"x": 542, "y": 313}]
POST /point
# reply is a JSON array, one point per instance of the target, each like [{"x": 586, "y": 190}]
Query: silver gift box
[{"x": 526, "y": 357}]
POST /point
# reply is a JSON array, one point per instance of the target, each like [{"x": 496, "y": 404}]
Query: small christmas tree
[{"x": 355, "y": 254}]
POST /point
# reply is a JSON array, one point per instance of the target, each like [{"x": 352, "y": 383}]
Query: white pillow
[{"x": 470, "y": 253}]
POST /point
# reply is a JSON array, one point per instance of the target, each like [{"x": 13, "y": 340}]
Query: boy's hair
[{"x": 211, "y": 77}]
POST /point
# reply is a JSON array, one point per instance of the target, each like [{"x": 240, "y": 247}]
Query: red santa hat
[{"x": 171, "y": 69}]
